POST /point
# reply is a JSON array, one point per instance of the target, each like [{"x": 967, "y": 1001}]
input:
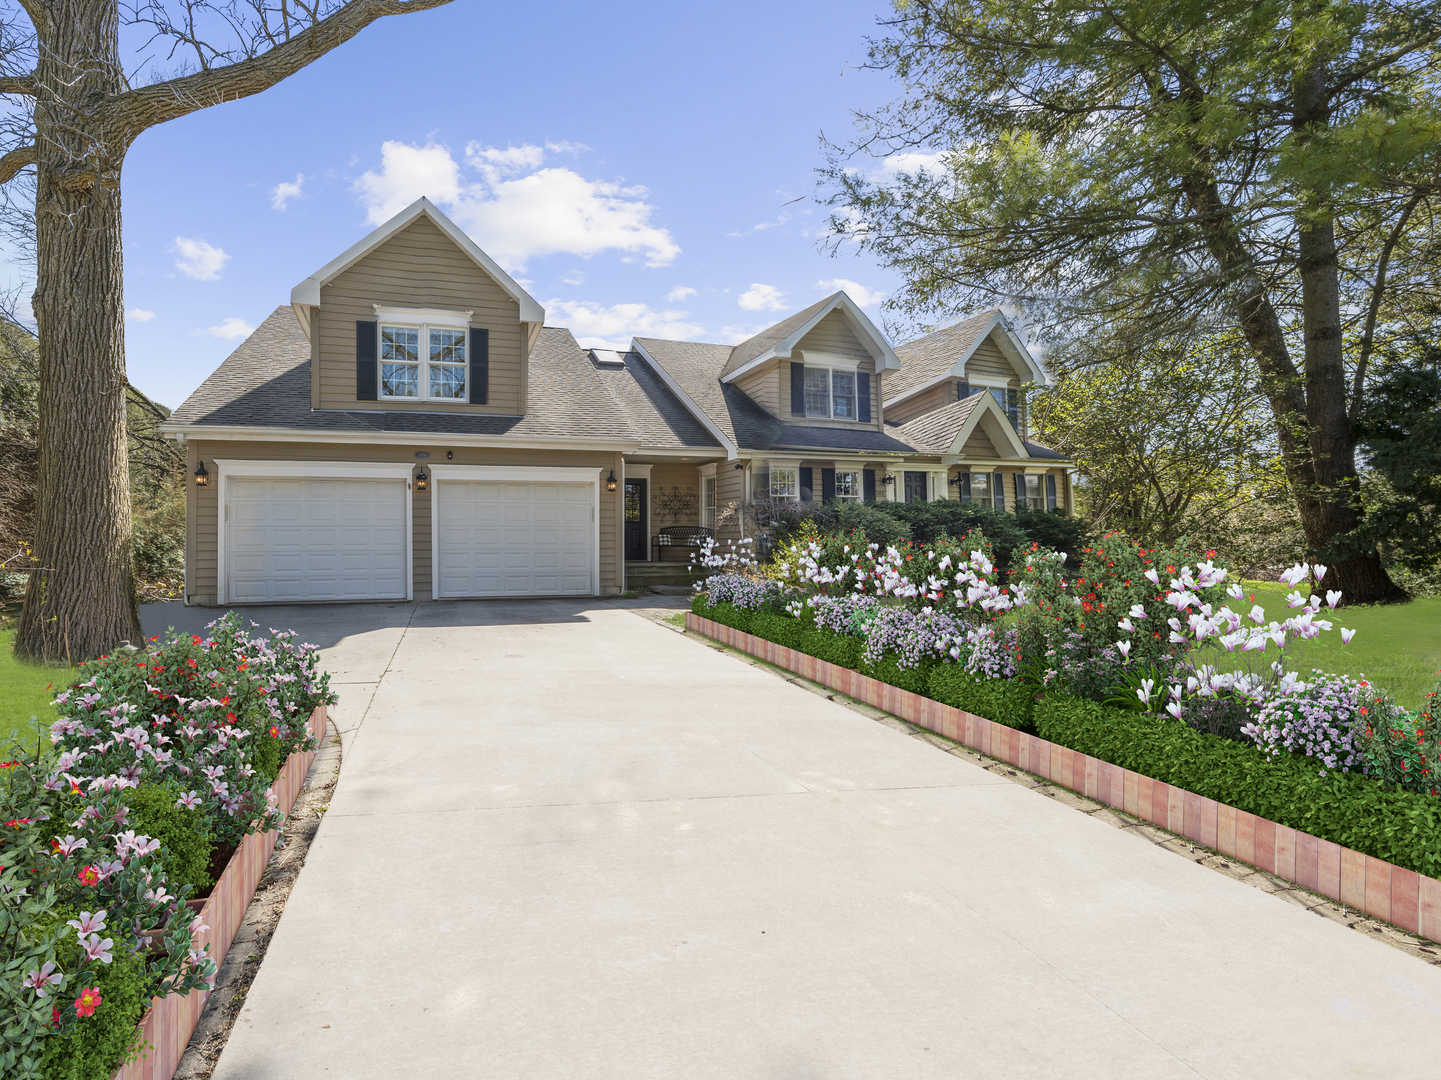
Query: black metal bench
[{"x": 680, "y": 536}]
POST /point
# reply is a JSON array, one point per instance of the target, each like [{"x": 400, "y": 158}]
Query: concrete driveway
[{"x": 570, "y": 843}]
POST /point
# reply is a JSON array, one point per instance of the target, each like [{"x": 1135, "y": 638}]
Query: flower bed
[
  {"x": 1394, "y": 893},
  {"x": 168, "y": 772}
]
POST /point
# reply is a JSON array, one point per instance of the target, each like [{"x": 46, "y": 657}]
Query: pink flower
[
  {"x": 87, "y": 1002},
  {"x": 40, "y": 979}
]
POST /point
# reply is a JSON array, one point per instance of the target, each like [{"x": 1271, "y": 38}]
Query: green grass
[
  {"x": 1397, "y": 646},
  {"x": 26, "y": 690}
]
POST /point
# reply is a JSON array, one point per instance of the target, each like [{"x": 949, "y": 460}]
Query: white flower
[{"x": 1347, "y": 635}]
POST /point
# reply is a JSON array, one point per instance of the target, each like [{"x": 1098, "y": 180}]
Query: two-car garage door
[{"x": 306, "y": 538}]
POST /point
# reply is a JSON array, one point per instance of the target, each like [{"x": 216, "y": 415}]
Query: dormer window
[
  {"x": 826, "y": 392},
  {"x": 422, "y": 362}
]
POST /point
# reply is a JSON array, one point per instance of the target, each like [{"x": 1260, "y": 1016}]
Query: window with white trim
[
  {"x": 785, "y": 484},
  {"x": 978, "y": 489},
  {"x": 830, "y": 393},
  {"x": 1010, "y": 402},
  {"x": 707, "y": 501},
  {"x": 422, "y": 362},
  {"x": 1035, "y": 494},
  {"x": 849, "y": 485}
]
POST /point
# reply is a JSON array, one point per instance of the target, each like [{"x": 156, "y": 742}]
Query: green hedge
[
  {"x": 1346, "y": 808},
  {"x": 184, "y": 840},
  {"x": 1003, "y": 701}
]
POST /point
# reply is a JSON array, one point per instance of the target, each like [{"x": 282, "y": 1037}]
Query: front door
[
  {"x": 635, "y": 546},
  {"x": 915, "y": 487}
]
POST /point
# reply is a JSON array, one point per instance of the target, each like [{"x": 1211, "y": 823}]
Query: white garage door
[
  {"x": 315, "y": 539},
  {"x": 504, "y": 539}
]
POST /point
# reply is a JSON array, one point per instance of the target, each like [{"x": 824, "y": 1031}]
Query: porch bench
[{"x": 680, "y": 536}]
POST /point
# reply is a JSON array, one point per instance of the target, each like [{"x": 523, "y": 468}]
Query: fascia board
[
  {"x": 884, "y": 356},
  {"x": 1001, "y": 426},
  {"x": 685, "y": 399},
  {"x": 1013, "y": 345},
  {"x": 308, "y": 291},
  {"x": 246, "y": 433},
  {"x": 760, "y": 361}
]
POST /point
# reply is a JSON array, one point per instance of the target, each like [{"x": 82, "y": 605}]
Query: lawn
[
  {"x": 26, "y": 690},
  {"x": 1397, "y": 646}
]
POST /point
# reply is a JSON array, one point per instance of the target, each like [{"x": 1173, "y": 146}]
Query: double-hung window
[
  {"x": 830, "y": 393},
  {"x": 785, "y": 484},
  {"x": 978, "y": 490},
  {"x": 422, "y": 362},
  {"x": 1035, "y": 497},
  {"x": 707, "y": 501},
  {"x": 850, "y": 485},
  {"x": 1010, "y": 402}
]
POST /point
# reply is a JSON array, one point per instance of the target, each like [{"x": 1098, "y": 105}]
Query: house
[{"x": 408, "y": 426}]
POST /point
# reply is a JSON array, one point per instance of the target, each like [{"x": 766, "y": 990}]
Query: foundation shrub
[
  {"x": 102, "y": 1041},
  {"x": 1003, "y": 701},
  {"x": 725, "y": 614},
  {"x": 185, "y": 844},
  {"x": 887, "y": 669},
  {"x": 782, "y": 629},
  {"x": 1349, "y": 809},
  {"x": 840, "y": 649}
]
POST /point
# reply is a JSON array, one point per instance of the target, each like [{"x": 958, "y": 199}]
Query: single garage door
[
  {"x": 514, "y": 539},
  {"x": 314, "y": 539}
]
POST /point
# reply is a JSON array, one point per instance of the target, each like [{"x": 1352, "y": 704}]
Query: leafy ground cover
[
  {"x": 1397, "y": 646},
  {"x": 26, "y": 690}
]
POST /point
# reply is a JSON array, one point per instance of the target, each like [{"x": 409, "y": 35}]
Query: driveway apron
[{"x": 570, "y": 843}]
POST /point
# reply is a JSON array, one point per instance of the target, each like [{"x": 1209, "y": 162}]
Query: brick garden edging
[
  {"x": 1392, "y": 893},
  {"x": 166, "y": 1027}
]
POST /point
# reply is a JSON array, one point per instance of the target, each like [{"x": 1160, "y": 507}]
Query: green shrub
[
  {"x": 1004, "y": 701},
  {"x": 1056, "y": 530},
  {"x": 184, "y": 840},
  {"x": 267, "y": 754},
  {"x": 782, "y": 629},
  {"x": 841, "y": 649},
  {"x": 100, "y": 1043},
  {"x": 887, "y": 670},
  {"x": 1349, "y": 809},
  {"x": 729, "y": 615}
]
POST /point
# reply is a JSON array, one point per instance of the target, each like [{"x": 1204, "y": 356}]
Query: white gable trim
[
  {"x": 307, "y": 293},
  {"x": 1010, "y": 345},
  {"x": 874, "y": 341},
  {"x": 987, "y": 415},
  {"x": 695, "y": 410}
]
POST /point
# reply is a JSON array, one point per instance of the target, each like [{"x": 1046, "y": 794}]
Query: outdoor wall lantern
[
  {"x": 890, "y": 478},
  {"x": 610, "y": 481},
  {"x": 202, "y": 475},
  {"x": 956, "y": 479},
  {"x": 422, "y": 482}
]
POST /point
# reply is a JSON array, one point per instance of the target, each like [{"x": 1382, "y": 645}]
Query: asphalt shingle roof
[
  {"x": 266, "y": 383},
  {"x": 935, "y": 431},
  {"x": 766, "y": 340},
  {"x": 934, "y": 355}
]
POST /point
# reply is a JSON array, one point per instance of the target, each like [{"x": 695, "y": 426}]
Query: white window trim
[
  {"x": 422, "y": 359},
  {"x": 771, "y": 482},
  {"x": 307, "y": 470},
  {"x": 434, "y": 316},
  {"x": 513, "y": 474},
  {"x": 816, "y": 358},
  {"x": 829, "y": 369},
  {"x": 860, "y": 476}
]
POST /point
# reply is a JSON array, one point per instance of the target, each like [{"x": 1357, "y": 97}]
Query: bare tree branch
[
  {"x": 16, "y": 160},
  {"x": 1378, "y": 290},
  {"x": 17, "y": 84},
  {"x": 147, "y": 106}
]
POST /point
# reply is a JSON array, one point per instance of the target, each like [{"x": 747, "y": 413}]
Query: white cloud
[
  {"x": 575, "y": 277},
  {"x": 139, "y": 315},
  {"x": 282, "y": 193},
  {"x": 734, "y": 335},
  {"x": 231, "y": 328},
  {"x": 199, "y": 260},
  {"x": 679, "y": 293},
  {"x": 515, "y": 208},
  {"x": 762, "y": 298},
  {"x": 855, "y": 290},
  {"x": 596, "y": 326},
  {"x": 906, "y": 161}
]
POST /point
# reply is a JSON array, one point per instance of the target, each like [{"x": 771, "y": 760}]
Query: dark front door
[
  {"x": 915, "y": 487},
  {"x": 635, "y": 546}
]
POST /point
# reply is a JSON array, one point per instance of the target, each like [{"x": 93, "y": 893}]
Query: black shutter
[
  {"x": 1020, "y": 491},
  {"x": 1050, "y": 491},
  {"x": 828, "y": 485},
  {"x": 965, "y": 485},
  {"x": 863, "y": 396},
  {"x": 479, "y": 366},
  {"x": 998, "y": 490},
  {"x": 868, "y": 485},
  {"x": 807, "y": 491},
  {"x": 366, "y": 335},
  {"x": 798, "y": 390},
  {"x": 963, "y": 390}
]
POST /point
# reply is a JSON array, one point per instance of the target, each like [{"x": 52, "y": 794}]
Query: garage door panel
[
  {"x": 511, "y": 539},
  {"x": 315, "y": 539}
]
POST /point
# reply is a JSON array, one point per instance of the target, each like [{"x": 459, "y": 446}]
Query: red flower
[
  {"x": 275, "y": 731},
  {"x": 87, "y": 1001},
  {"x": 191, "y": 661},
  {"x": 88, "y": 876},
  {"x": 15, "y": 823},
  {"x": 8, "y": 764}
]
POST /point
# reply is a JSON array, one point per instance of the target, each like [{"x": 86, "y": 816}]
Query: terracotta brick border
[
  {"x": 1391, "y": 893},
  {"x": 166, "y": 1028}
]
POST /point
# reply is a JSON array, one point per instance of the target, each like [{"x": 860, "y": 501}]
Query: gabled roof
[
  {"x": 265, "y": 384},
  {"x": 778, "y": 340},
  {"x": 307, "y": 293},
  {"x": 942, "y": 355},
  {"x": 946, "y": 430}
]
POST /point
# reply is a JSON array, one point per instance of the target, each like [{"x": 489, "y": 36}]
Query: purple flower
[
  {"x": 88, "y": 923},
  {"x": 96, "y": 949},
  {"x": 40, "y": 979}
]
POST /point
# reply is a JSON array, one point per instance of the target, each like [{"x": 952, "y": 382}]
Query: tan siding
[
  {"x": 979, "y": 445},
  {"x": 989, "y": 365},
  {"x": 418, "y": 267},
  {"x": 729, "y": 492},
  {"x": 926, "y": 401},
  {"x": 834, "y": 335},
  {"x": 612, "y": 551},
  {"x": 203, "y": 512},
  {"x": 783, "y": 405},
  {"x": 763, "y": 386},
  {"x": 675, "y": 484}
]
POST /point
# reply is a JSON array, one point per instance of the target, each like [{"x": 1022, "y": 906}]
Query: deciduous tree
[{"x": 74, "y": 115}]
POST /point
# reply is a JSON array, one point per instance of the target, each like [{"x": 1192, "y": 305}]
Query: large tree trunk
[{"x": 81, "y": 601}]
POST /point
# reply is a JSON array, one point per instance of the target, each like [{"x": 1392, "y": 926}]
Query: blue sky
[{"x": 627, "y": 162}]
